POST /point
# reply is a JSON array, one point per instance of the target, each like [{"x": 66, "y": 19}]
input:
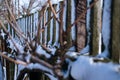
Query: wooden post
[
  {"x": 99, "y": 24},
  {"x": 61, "y": 26},
  {"x": 33, "y": 25},
  {"x": 115, "y": 31},
  {"x": 48, "y": 27},
  {"x": 95, "y": 28},
  {"x": 68, "y": 23},
  {"x": 43, "y": 27},
  {"x": 54, "y": 26}
]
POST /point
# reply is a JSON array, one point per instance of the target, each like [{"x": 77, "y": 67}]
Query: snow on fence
[{"x": 50, "y": 35}]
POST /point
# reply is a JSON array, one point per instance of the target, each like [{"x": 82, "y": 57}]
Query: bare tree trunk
[
  {"x": 115, "y": 31},
  {"x": 81, "y": 27}
]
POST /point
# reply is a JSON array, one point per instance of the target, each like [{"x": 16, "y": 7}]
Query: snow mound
[{"x": 84, "y": 68}]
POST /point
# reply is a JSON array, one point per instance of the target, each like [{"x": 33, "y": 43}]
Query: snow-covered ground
[{"x": 84, "y": 68}]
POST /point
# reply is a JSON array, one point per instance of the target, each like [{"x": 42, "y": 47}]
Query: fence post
[
  {"x": 54, "y": 26},
  {"x": 48, "y": 27},
  {"x": 43, "y": 26},
  {"x": 115, "y": 31},
  {"x": 68, "y": 23},
  {"x": 61, "y": 26},
  {"x": 95, "y": 28}
]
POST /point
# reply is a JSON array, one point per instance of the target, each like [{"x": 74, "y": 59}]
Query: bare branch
[
  {"x": 79, "y": 18},
  {"x": 42, "y": 62},
  {"x": 54, "y": 13},
  {"x": 4, "y": 28},
  {"x": 52, "y": 17},
  {"x": 12, "y": 60}
]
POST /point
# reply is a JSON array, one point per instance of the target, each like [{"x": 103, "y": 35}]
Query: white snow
[
  {"x": 31, "y": 26},
  {"x": 11, "y": 45},
  {"x": 84, "y": 68},
  {"x": 64, "y": 15},
  {"x": 37, "y": 5},
  {"x": 104, "y": 54},
  {"x": 23, "y": 24},
  {"x": 72, "y": 49},
  {"x": 58, "y": 60},
  {"x": 40, "y": 51},
  {"x": 28, "y": 57},
  {"x": 73, "y": 30},
  {"x": 15, "y": 72},
  {"x": 55, "y": 1},
  {"x": 38, "y": 66},
  {"x": 34, "y": 66},
  {"x": 106, "y": 22},
  {"x": 57, "y": 30},
  {"x": 8, "y": 27},
  {"x": 53, "y": 50},
  {"x": 101, "y": 3},
  {"x": 4, "y": 69},
  {"x": 85, "y": 51},
  {"x": 51, "y": 31},
  {"x": 72, "y": 54},
  {"x": 106, "y": 27},
  {"x": 100, "y": 43},
  {"x": 2, "y": 34},
  {"x": 51, "y": 77}
]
